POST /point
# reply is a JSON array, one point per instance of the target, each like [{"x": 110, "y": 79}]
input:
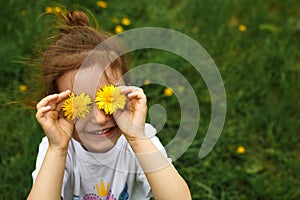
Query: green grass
[{"x": 260, "y": 69}]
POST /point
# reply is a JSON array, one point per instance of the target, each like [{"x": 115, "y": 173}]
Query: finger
[
  {"x": 137, "y": 102},
  {"x": 136, "y": 94},
  {"x": 59, "y": 105},
  {"x": 41, "y": 112},
  {"x": 45, "y": 101},
  {"x": 60, "y": 98},
  {"x": 128, "y": 89},
  {"x": 53, "y": 99},
  {"x": 63, "y": 95}
]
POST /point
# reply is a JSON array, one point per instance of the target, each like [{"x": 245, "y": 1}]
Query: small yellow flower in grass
[
  {"x": 57, "y": 9},
  {"x": 102, "y": 4},
  {"x": 242, "y": 28},
  {"x": 241, "y": 150},
  {"x": 48, "y": 9},
  {"x": 23, "y": 88},
  {"x": 77, "y": 106},
  {"x": 119, "y": 29},
  {"x": 181, "y": 89},
  {"x": 125, "y": 21},
  {"x": 109, "y": 99},
  {"x": 147, "y": 82},
  {"x": 168, "y": 92}
]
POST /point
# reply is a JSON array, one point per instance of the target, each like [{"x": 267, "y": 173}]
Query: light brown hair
[{"x": 69, "y": 47}]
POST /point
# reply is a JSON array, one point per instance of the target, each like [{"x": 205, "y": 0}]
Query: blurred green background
[{"x": 254, "y": 43}]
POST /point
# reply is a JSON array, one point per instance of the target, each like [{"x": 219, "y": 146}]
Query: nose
[{"x": 99, "y": 116}]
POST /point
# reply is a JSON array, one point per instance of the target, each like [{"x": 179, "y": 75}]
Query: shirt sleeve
[
  {"x": 40, "y": 157},
  {"x": 151, "y": 133}
]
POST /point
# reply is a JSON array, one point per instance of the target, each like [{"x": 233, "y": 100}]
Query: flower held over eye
[
  {"x": 110, "y": 99},
  {"x": 77, "y": 106}
]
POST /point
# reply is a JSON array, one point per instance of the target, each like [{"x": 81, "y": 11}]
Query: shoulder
[
  {"x": 44, "y": 145},
  {"x": 150, "y": 131}
]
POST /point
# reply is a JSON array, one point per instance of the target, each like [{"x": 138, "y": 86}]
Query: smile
[
  {"x": 105, "y": 132},
  {"x": 101, "y": 132}
]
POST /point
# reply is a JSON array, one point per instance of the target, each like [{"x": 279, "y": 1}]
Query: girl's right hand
[{"x": 57, "y": 128}]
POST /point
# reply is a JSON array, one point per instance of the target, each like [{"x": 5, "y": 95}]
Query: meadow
[{"x": 256, "y": 47}]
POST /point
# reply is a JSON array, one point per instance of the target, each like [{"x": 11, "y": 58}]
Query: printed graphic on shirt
[
  {"x": 102, "y": 190},
  {"x": 104, "y": 193},
  {"x": 124, "y": 194},
  {"x": 91, "y": 197}
]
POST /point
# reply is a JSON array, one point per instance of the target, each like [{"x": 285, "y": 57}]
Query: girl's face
[{"x": 97, "y": 132}]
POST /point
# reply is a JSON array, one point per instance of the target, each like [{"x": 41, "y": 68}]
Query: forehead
[{"x": 89, "y": 80}]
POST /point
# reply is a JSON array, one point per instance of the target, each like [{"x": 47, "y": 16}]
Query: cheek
[{"x": 80, "y": 125}]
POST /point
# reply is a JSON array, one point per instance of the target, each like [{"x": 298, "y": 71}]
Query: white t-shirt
[{"x": 112, "y": 175}]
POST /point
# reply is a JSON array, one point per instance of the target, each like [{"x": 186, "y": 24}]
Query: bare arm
[
  {"x": 165, "y": 181},
  {"x": 49, "y": 180},
  {"x": 48, "y": 183}
]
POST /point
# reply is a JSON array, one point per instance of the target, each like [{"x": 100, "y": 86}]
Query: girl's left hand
[{"x": 131, "y": 120}]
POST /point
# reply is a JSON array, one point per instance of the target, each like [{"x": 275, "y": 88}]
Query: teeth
[{"x": 101, "y": 132}]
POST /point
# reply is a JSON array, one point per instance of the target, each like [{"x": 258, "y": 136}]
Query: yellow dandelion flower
[
  {"x": 119, "y": 29},
  {"x": 110, "y": 99},
  {"x": 57, "y": 9},
  {"x": 115, "y": 20},
  {"x": 102, "y": 4},
  {"x": 23, "y": 88},
  {"x": 241, "y": 150},
  {"x": 168, "y": 92},
  {"x": 147, "y": 82},
  {"x": 242, "y": 28},
  {"x": 48, "y": 9},
  {"x": 181, "y": 88},
  {"x": 77, "y": 106},
  {"x": 125, "y": 21}
]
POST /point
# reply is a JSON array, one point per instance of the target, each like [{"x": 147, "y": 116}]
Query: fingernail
[{"x": 48, "y": 107}]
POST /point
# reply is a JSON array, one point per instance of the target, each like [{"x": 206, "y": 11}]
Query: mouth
[{"x": 102, "y": 132}]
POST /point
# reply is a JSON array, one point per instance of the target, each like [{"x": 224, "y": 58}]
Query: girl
[{"x": 98, "y": 155}]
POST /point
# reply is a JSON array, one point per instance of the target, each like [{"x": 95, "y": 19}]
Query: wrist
[
  {"x": 141, "y": 145},
  {"x": 135, "y": 135},
  {"x": 57, "y": 152},
  {"x": 150, "y": 158}
]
